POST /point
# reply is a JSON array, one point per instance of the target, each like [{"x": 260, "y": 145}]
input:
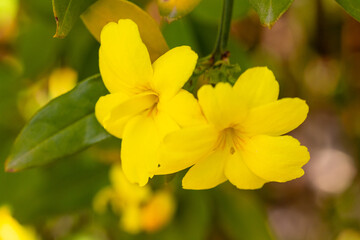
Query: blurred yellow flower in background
[
  {"x": 140, "y": 208},
  {"x": 173, "y": 9},
  {"x": 349, "y": 234},
  {"x": 8, "y": 13},
  {"x": 146, "y": 100},
  {"x": 59, "y": 82},
  {"x": 10, "y": 229},
  {"x": 241, "y": 141},
  {"x": 158, "y": 211}
]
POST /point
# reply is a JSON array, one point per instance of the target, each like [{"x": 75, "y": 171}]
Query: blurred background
[{"x": 313, "y": 50}]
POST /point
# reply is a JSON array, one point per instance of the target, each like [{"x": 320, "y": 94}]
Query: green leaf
[
  {"x": 61, "y": 188},
  {"x": 192, "y": 220},
  {"x": 270, "y": 11},
  {"x": 63, "y": 127},
  {"x": 180, "y": 33},
  {"x": 241, "y": 216},
  {"x": 66, "y": 13},
  {"x": 352, "y": 7},
  {"x": 208, "y": 11}
]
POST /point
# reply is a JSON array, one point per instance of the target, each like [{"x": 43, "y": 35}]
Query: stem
[{"x": 224, "y": 30}]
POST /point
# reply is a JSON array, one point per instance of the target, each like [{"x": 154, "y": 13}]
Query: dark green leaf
[
  {"x": 66, "y": 13},
  {"x": 270, "y": 11},
  {"x": 60, "y": 188},
  {"x": 63, "y": 127},
  {"x": 352, "y": 7}
]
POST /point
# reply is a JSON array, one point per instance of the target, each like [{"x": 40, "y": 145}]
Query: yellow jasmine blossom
[
  {"x": 146, "y": 101},
  {"x": 10, "y": 229},
  {"x": 139, "y": 207},
  {"x": 241, "y": 141}
]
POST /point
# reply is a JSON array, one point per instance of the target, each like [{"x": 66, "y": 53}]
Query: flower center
[
  {"x": 230, "y": 139},
  {"x": 154, "y": 108}
]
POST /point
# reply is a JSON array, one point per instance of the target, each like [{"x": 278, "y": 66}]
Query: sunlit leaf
[
  {"x": 352, "y": 7},
  {"x": 270, "y": 11},
  {"x": 64, "y": 126},
  {"x": 105, "y": 11},
  {"x": 174, "y": 9},
  {"x": 66, "y": 12}
]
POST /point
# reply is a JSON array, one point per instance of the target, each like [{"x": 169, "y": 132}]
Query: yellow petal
[
  {"x": 172, "y": 70},
  {"x": 165, "y": 124},
  {"x": 221, "y": 106},
  {"x": 240, "y": 175},
  {"x": 134, "y": 105},
  {"x": 257, "y": 86},
  {"x": 123, "y": 58},
  {"x": 207, "y": 173},
  {"x": 113, "y": 111},
  {"x": 138, "y": 149},
  {"x": 183, "y": 148},
  {"x": 184, "y": 109},
  {"x": 104, "y": 11},
  {"x": 141, "y": 140},
  {"x": 276, "y": 118},
  {"x": 103, "y": 109},
  {"x": 275, "y": 158}
]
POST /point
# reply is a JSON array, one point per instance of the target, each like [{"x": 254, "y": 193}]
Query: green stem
[{"x": 224, "y": 30}]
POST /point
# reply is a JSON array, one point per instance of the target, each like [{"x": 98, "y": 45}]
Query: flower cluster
[
  {"x": 141, "y": 209},
  {"x": 230, "y": 133}
]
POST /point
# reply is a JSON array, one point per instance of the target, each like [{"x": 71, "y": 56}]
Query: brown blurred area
[{"x": 314, "y": 50}]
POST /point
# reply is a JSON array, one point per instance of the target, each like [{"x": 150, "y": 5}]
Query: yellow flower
[
  {"x": 241, "y": 141},
  {"x": 10, "y": 229},
  {"x": 139, "y": 207},
  {"x": 146, "y": 100}
]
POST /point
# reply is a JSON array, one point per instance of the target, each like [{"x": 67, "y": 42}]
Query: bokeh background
[{"x": 314, "y": 51}]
